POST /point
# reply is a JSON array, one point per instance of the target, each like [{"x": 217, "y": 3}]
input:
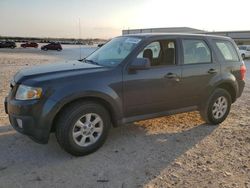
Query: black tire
[
  {"x": 12, "y": 47},
  {"x": 45, "y": 49},
  {"x": 59, "y": 49},
  {"x": 243, "y": 56},
  {"x": 66, "y": 123},
  {"x": 206, "y": 111}
]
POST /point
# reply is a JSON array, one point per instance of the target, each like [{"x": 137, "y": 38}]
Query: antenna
[{"x": 80, "y": 45}]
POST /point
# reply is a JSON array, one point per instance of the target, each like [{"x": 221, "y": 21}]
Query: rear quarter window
[{"x": 227, "y": 50}]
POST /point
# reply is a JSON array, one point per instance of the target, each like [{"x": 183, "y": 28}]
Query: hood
[{"x": 56, "y": 70}]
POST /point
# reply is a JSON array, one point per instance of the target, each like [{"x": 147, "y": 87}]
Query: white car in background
[{"x": 244, "y": 51}]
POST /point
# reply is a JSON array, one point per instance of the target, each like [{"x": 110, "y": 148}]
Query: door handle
[
  {"x": 172, "y": 76},
  {"x": 212, "y": 71}
]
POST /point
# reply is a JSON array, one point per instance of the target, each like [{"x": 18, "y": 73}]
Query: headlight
[{"x": 28, "y": 93}]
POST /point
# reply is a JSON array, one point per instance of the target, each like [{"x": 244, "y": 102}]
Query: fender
[
  {"x": 226, "y": 78},
  {"x": 65, "y": 95}
]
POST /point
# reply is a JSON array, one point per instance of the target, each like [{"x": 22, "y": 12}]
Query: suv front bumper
[{"x": 27, "y": 118}]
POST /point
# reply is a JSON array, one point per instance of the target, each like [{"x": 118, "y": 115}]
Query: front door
[{"x": 155, "y": 89}]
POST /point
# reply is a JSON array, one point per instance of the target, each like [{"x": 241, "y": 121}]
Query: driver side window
[
  {"x": 160, "y": 52},
  {"x": 152, "y": 52}
]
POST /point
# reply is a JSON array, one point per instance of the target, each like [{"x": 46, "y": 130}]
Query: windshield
[
  {"x": 242, "y": 47},
  {"x": 113, "y": 52}
]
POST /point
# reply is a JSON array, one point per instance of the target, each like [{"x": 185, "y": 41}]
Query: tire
[
  {"x": 59, "y": 49},
  {"x": 45, "y": 49},
  {"x": 243, "y": 56},
  {"x": 68, "y": 123},
  {"x": 214, "y": 112},
  {"x": 12, "y": 47}
]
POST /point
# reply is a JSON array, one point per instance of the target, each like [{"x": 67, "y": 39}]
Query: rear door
[{"x": 199, "y": 67}]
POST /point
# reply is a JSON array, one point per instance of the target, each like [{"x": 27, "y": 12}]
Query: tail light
[{"x": 243, "y": 71}]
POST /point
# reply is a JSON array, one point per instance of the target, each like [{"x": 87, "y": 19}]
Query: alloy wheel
[{"x": 87, "y": 129}]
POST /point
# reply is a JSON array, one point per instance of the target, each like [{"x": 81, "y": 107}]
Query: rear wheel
[
  {"x": 45, "y": 49},
  {"x": 82, "y": 128},
  {"x": 243, "y": 56},
  {"x": 59, "y": 49},
  {"x": 12, "y": 47},
  {"x": 217, "y": 107}
]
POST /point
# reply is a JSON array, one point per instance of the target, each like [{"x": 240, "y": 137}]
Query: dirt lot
[{"x": 175, "y": 151}]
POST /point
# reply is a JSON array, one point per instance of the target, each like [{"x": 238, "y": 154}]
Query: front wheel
[
  {"x": 82, "y": 128},
  {"x": 243, "y": 56},
  {"x": 217, "y": 107}
]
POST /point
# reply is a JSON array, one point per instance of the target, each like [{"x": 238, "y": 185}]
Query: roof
[
  {"x": 236, "y": 35},
  {"x": 164, "y": 30},
  {"x": 150, "y": 35}
]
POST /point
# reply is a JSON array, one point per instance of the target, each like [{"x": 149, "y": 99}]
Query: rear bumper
[
  {"x": 30, "y": 118},
  {"x": 241, "y": 85}
]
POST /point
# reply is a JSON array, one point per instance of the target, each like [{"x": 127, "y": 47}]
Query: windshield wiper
[
  {"x": 89, "y": 61},
  {"x": 81, "y": 59}
]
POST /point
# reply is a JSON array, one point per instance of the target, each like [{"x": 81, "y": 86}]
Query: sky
[{"x": 106, "y": 18}]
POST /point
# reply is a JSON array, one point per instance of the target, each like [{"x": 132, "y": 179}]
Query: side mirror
[{"x": 140, "y": 64}]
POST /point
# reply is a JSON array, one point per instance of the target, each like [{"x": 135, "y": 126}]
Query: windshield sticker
[{"x": 133, "y": 40}]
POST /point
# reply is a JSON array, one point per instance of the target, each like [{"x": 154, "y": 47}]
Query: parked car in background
[
  {"x": 7, "y": 44},
  {"x": 52, "y": 46},
  {"x": 130, "y": 78},
  {"x": 29, "y": 45},
  {"x": 244, "y": 51}
]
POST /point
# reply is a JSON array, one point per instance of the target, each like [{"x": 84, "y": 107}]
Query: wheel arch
[
  {"x": 230, "y": 88},
  {"x": 112, "y": 110}
]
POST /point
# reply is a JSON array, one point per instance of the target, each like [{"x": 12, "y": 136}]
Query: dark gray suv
[{"x": 130, "y": 78}]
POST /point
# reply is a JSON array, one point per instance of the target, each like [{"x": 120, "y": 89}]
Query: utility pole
[{"x": 80, "y": 38}]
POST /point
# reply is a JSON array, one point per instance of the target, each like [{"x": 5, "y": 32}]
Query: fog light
[{"x": 19, "y": 123}]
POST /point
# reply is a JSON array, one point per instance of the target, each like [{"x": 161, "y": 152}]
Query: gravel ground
[{"x": 175, "y": 151}]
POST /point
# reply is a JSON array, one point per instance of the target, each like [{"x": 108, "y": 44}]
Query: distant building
[{"x": 240, "y": 37}]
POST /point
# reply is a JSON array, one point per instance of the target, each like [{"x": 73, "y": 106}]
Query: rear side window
[
  {"x": 196, "y": 51},
  {"x": 227, "y": 50}
]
